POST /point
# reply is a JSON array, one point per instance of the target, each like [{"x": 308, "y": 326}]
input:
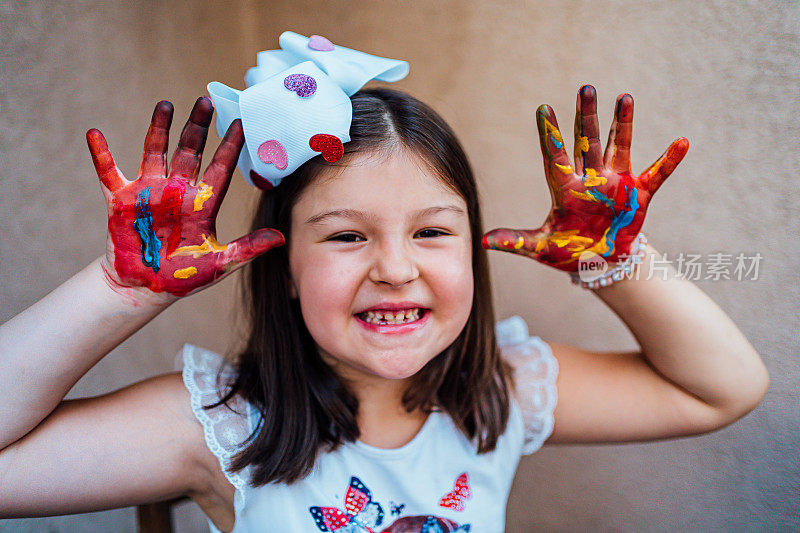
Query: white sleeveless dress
[{"x": 435, "y": 483}]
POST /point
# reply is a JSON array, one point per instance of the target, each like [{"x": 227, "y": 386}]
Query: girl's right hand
[
  {"x": 162, "y": 226},
  {"x": 598, "y": 206}
]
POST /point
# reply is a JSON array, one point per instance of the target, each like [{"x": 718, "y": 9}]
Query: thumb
[
  {"x": 104, "y": 164},
  {"x": 654, "y": 176},
  {"x": 517, "y": 241},
  {"x": 250, "y": 246}
]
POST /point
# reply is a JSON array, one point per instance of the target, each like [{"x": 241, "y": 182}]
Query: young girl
[{"x": 373, "y": 393}]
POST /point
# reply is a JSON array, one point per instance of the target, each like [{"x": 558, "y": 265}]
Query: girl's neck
[
  {"x": 379, "y": 398},
  {"x": 387, "y": 424},
  {"x": 382, "y": 419},
  {"x": 374, "y": 393}
]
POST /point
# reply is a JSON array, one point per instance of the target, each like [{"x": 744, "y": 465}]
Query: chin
[
  {"x": 396, "y": 369},
  {"x": 399, "y": 374}
]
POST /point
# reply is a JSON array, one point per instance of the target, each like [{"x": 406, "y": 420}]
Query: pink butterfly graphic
[
  {"x": 455, "y": 499},
  {"x": 360, "y": 514}
]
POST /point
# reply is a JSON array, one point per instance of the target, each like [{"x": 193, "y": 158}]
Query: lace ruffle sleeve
[
  {"x": 225, "y": 430},
  {"x": 535, "y": 372}
]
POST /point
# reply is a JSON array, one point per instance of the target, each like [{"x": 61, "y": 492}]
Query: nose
[{"x": 393, "y": 264}]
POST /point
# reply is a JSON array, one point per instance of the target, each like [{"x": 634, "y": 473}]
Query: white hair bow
[{"x": 297, "y": 104}]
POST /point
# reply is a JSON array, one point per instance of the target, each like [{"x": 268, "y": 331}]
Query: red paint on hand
[
  {"x": 598, "y": 205},
  {"x": 190, "y": 257}
]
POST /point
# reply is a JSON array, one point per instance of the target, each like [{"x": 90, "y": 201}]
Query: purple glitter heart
[
  {"x": 302, "y": 84},
  {"x": 320, "y": 43}
]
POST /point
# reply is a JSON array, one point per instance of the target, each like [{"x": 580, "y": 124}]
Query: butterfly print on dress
[
  {"x": 396, "y": 508},
  {"x": 456, "y": 498},
  {"x": 360, "y": 513}
]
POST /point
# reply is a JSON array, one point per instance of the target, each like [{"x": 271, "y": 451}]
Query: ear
[{"x": 292, "y": 289}]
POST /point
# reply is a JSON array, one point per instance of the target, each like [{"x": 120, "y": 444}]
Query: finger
[
  {"x": 652, "y": 178},
  {"x": 110, "y": 176},
  {"x": 188, "y": 155},
  {"x": 154, "y": 156},
  {"x": 246, "y": 248},
  {"x": 217, "y": 176},
  {"x": 618, "y": 149},
  {"x": 588, "y": 153},
  {"x": 556, "y": 162},
  {"x": 524, "y": 242}
]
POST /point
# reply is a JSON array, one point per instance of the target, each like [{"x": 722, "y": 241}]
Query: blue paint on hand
[
  {"x": 600, "y": 197},
  {"x": 143, "y": 225},
  {"x": 622, "y": 219}
]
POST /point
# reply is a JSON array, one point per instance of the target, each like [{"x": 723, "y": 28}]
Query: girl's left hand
[{"x": 598, "y": 206}]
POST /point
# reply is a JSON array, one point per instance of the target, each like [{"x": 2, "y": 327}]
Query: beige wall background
[{"x": 723, "y": 74}]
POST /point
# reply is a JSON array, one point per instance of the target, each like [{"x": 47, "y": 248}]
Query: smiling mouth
[{"x": 392, "y": 318}]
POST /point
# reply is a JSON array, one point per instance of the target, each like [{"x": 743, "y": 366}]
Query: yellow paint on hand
[
  {"x": 520, "y": 243},
  {"x": 654, "y": 168},
  {"x": 568, "y": 238},
  {"x": 552, "y": 130},
  {"x": 592, "y": 179},
  {"x": 205, "y": 192},
  {"x": 582, "y": 144},
  {"x": 579, "y": 245},
  {"x": 583, "y": 196},
  {"x": 185, "y": 273},
  {"x": 209, "y": 245},
  {"x": 563, "y": 238},
  {"x": 566, "y": 169},
  {"x": 599, "y": 247}
]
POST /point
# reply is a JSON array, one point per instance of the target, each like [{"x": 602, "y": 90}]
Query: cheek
[
  {"x": 326, "y": 292},
  {"x": 463, "y": 293},
  {"x": 453, "y": 283}
]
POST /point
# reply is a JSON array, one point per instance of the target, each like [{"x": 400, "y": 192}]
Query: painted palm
[
  {"x": 162, "y": 226},
  {"x": 598, "y": 205}
]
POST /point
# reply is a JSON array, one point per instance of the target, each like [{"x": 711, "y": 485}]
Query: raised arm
[
  {"x": 696, "y": 372},
  {"x": 161, "y": 245},
  {"x": 47, "y": 348},
  {"x": 61, "y": 457}
]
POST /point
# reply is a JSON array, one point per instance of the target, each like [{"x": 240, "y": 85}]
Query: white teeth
[{"x": 398, "y": 317}]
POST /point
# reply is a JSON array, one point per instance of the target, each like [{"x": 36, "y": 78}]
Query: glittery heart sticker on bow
[{"x": 297, "y": 104}]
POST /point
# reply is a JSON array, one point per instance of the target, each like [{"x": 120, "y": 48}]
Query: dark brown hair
[{"x": 304, "y": 407}]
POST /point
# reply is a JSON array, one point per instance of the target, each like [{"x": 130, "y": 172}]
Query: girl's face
[{"x": 383, "y": 236}]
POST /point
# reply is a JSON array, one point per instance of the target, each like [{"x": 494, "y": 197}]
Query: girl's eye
[
  {"x": 347, "y": 237},
  {"x": 431, "y": 233}
]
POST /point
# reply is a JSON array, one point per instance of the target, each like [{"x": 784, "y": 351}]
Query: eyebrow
[{"x": 352, "y": 214}]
